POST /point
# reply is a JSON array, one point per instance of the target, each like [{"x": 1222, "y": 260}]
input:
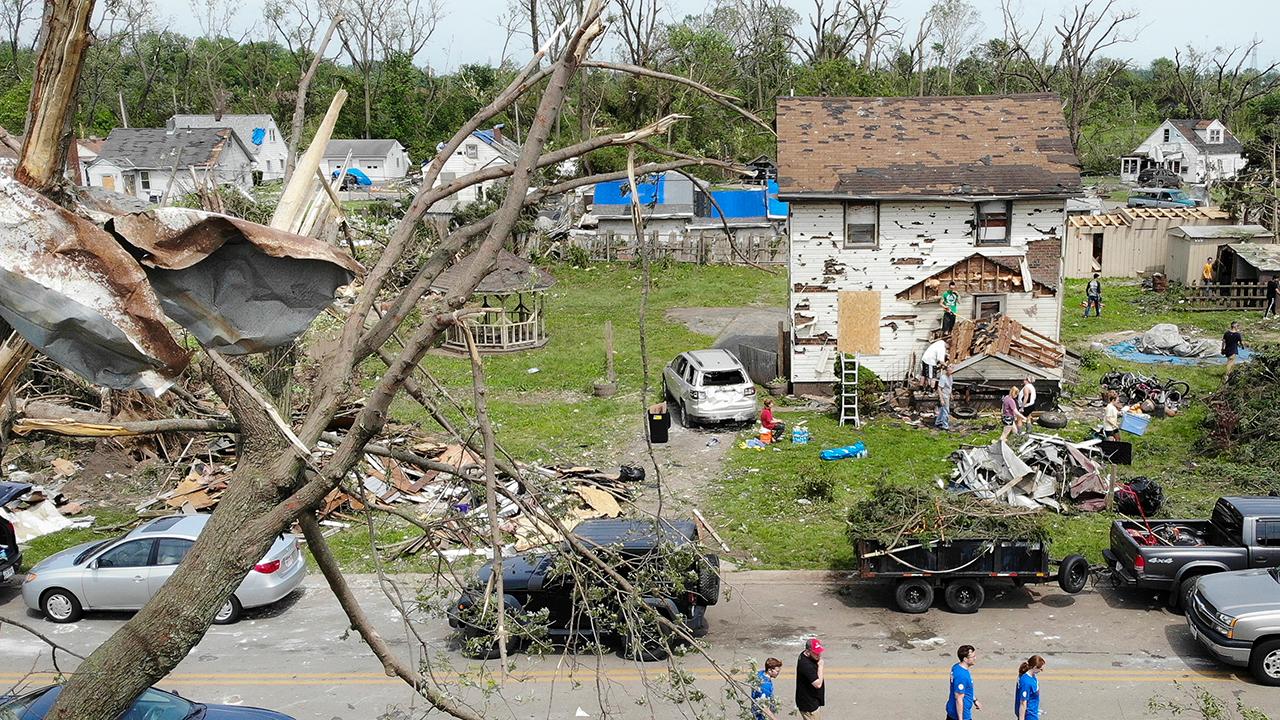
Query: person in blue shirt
[
  {"x": 960, "y": 697},
  {"x": 1026, "y": 696},
  {"x": 763, "y": 706}
]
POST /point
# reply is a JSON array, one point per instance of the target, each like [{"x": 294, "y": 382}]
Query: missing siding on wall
[{"x": 908, "y": 261}]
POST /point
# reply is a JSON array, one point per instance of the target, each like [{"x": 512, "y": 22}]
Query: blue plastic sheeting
[
  {"x": 617, "y": 192},
  {"x": 738, "y": 204},
  {"x": 360, "y": 177},
  {"x": 777, "y": 208},
  {"x": 259, "y": 134},
  {"x": 1128, "y": 350}
]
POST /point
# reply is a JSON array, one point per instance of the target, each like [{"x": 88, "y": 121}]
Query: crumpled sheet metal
[
  {"x": 239, "y": 287},
  {"x": 72, "y": 292},
  {"x": 1042, "y": 471}
]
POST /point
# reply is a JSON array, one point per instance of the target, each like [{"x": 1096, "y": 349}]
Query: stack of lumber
[{"x": 1002, "y": 335}]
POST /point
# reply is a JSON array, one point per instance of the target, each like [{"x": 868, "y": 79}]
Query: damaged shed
[{"x": 893, "y": 198}]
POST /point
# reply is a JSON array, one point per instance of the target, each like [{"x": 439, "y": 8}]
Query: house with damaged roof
[
  {"x": 1198, "y": 151},
  {"x": 149, "y": 163},
  {"x": 891, "y": 199}
]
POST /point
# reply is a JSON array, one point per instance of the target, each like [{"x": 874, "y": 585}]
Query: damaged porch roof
[
  {"x": 955, "y": 146},
  {"x": 980, "y": 273}
]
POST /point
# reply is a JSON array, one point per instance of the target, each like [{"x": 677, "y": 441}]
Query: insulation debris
[{"x": 1044, "y": 471}]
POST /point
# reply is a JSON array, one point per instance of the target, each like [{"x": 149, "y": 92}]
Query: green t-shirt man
[{"x": 951, "y": 301}]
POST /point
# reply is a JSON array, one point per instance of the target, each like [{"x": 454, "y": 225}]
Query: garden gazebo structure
[{"x": 512, "y": 296}]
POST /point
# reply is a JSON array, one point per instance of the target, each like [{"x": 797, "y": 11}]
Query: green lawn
[
  {"x": 758, "y": 505},
  {"x": 550, "y": 414}
]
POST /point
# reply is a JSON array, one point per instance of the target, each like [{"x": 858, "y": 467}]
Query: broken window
[
  {"x": 860, "y": 224},
  {"x": 993, "y": 222},
  {"x": 985, "y": 306}
]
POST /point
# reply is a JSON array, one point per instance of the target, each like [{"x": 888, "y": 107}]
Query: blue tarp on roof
[
  {"x": 738, "y": 204},
  {"x": 777, "y": 208},
  {"x": 259, "y": 134},
  {"x": 650, "y": 190}
]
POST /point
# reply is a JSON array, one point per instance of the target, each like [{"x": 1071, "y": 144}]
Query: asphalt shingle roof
[
  {"x": 925, "y": 147},
  {"x": 359, "y": 148},
  {"x": 157, "y": 148},
  {"x": 1229, "y": 145}
]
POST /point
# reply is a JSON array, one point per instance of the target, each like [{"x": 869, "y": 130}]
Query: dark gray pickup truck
[{"x": 1168, "y": 555}]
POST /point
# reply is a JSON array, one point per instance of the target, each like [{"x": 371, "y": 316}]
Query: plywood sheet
[{"x": 859, "y": 322}]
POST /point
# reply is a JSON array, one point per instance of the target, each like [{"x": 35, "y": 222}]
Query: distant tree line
[{"x": 139, "y": 73}]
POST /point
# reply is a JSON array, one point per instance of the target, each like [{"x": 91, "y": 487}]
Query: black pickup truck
[
  {"x": 663, "y": 560},
  {"x": 1168, "y": 555}
]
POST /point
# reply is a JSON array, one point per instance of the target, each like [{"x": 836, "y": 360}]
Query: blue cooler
[{"x": 1136, "y": 424}]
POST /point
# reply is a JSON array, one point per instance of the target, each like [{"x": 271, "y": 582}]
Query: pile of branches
[
  {"x": 893, "y": 513},
  {"x": 1244, "y": 414}
]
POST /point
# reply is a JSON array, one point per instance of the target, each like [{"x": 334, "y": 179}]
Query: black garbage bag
[
  {"x": 1139, "y": 496},
  {"x": 631, "y": 473}
]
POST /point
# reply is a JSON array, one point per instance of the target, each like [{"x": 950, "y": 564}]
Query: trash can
[{"x": 659, "y": 423}]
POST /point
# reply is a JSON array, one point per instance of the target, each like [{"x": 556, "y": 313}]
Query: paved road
[{"x": 1107, "y": 655}]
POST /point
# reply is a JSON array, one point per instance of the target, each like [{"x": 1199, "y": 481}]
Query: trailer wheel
[
  {"x": 1073, "y": 574},
  {"x": 965, "y": 596},
  {"x": 914, "y": 595}
]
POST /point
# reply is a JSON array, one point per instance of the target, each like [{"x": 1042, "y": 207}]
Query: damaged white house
[{"x": 893, "y": 198}]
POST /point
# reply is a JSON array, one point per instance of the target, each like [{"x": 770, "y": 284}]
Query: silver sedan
[{"x": 123, "y": 574}]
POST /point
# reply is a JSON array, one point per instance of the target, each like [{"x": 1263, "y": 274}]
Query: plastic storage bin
[{"x": 1136, "y": 424}]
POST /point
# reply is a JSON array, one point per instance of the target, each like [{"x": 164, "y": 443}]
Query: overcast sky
[{"x": 470, "y": 31}]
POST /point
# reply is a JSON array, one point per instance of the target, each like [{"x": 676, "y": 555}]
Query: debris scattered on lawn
[
  {"x": 1043, "y": 471},
  {"x": 892, "y": 513},
  {"x": 1165, "y": 343},
  {"x": 34, "y": 513}
]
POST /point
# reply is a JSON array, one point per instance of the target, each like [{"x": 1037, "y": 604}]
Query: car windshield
[
  {"x": 722, "y": 377},
  {"x": 95, "y": 548}
]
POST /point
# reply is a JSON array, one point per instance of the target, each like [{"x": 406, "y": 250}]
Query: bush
[
  {"x": 818, "y": 488},
  {"x": 1243, "y": 422},
  {"x": 870, "y": 386}
]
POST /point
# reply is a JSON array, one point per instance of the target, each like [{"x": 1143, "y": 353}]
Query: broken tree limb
[
  {"x": 298, "y": 191},
  {"x": 76, "y": 428},
  {"x": 391, "y": 664},
  {"x": 42, "y": 638},
  {"x": 716, "y": 96},
  {"x": 300, "y": 104}
]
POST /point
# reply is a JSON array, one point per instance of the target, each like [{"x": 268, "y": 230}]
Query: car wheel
[
  {"x": 60, "y": 606},
  {"x": 914, "y": 595},
  {"x": 481, "y": 642},
  {"x": 229, "y": 612},
  {"x": 965, "y": 596},
  {"x": 646, "y": 640},
  {"x": 1264, "y": 662},
  {"x": 1186, "y": 589},
  {"x": 685, "y": 420},
  {"x": 1073, "y": 574}
]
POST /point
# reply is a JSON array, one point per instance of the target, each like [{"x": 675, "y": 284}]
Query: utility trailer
[{"x": 963, "y": 568}]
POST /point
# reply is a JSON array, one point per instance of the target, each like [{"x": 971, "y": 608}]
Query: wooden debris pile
[{"x": 1002, "y": 335}]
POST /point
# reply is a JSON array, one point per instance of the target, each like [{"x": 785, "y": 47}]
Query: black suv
[
  {"x": 545, "y": 598},
  {"x": 10, "y": 555}
]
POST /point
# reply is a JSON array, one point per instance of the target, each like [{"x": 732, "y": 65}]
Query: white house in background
[
  {"x": 141, "y": 161},
  {"x": 86, "y": 151},
  {"x": 893, "y": 198},
  {"x": 1200, "y": 151},
  {"x": 484, "y": 149},
  {"x": 258, "y": 132},
  {"x": 381, "y": 160}
]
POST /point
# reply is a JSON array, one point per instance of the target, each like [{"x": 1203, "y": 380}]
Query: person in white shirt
[
  {"x": 934, "y": 356},
  {"x": 1027, "y": 400}
]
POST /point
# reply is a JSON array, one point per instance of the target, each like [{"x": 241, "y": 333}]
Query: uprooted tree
[{"x": 281, "y": 476}]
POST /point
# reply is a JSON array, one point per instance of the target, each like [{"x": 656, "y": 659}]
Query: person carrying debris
[
  {"x": 950, "y": 301},
  {"x": 1111, "y": 417},
  {"x": 1093, "y": 296},
  {"x": 763, "y": 706},
  {"x": 1010, "y": 416},
  {"x": 945, "y": 384},
  {"x": 1026, "y": 695},
  {"x": 1232, "y": 341},
  {"x": 1269, "y": 301},
  {"x": 961, "y": 701},
  {"x": 811, "y": 690},
  {"x": 934, "y": 356}
]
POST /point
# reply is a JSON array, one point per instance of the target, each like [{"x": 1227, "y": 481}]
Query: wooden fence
[
  {"x": 1226, "y": 296},
  {"x": 702, "y": 248}
]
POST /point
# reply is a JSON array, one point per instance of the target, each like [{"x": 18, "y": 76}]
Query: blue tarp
[
  {"x": 651, "y": 191},
  {"x": 259, "y": 134},
  {"x": 1128, "y": 350},
  {"x": 739, "y": 203},
  {"x": 360, "y": 177},
  {"x": 777, "y": 208}
]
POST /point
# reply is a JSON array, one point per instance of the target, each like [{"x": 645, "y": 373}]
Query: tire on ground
[
  {"x": 965, "y": 596},
  {"x": 482, "y": 644},
  {"x": 964, "y": 412},
  {"x": 229, "y": 612},
  {"x": 1185, "y": 590},
  {"x": 1073, "y": 574},
  {"x": 1051, "y": 419},
  {"x": 648, "y": 640},
  {"x": 913, "y": 595}
]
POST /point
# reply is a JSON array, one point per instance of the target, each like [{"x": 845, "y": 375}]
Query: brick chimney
[{"x": 497, "y": 132}]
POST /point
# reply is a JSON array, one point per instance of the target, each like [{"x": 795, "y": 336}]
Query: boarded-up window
[
  {"x": 985, "y": 306},
  {"x": 858, "y": 322},
  {"x": 860, "y": 225},
  {"x": 993, "y": 222}
]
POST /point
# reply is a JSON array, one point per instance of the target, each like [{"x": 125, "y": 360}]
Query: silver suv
[
  {"x": 1236, "y": 615},
  {"x": 709, "y": 386}
]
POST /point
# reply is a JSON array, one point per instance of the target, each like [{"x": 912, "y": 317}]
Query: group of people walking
[{"x": 962, "y": 699}]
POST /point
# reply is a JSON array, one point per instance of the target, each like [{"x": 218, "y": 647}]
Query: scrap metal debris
[{"x": 1044, "y": 471}]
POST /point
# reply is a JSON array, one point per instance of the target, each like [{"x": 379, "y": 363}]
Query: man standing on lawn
[
  {"x": 950, "y": 301},
  {"x": 1269, "y": 301},
  {"x": 811, "y": 690},
  {"x": 1093, "y": 296},
  {"x": 945, "y": 384}
]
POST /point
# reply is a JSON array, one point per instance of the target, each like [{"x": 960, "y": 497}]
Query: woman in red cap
[{"x": 811, "y": 691}]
